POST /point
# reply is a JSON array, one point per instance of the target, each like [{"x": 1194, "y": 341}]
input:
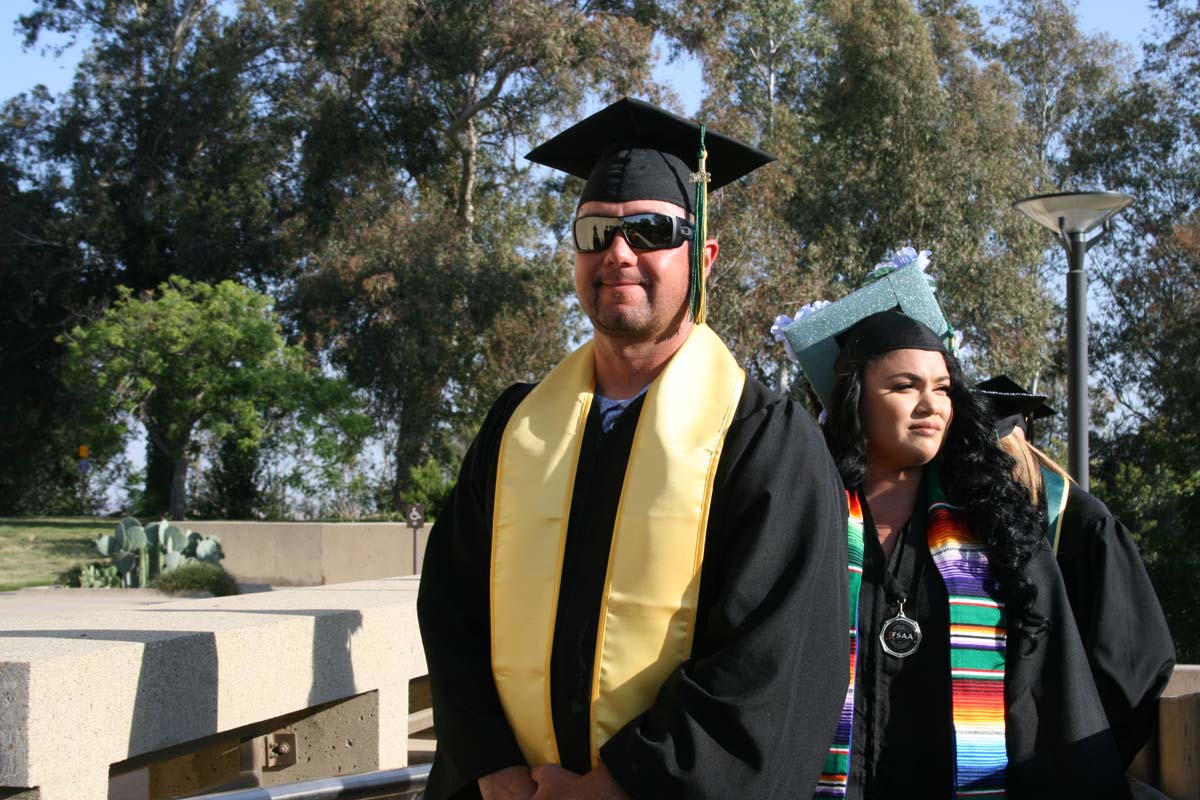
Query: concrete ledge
[
  {"x": 1184, "y": 680},
  {"x": 80, "y": 692},
  {"x": 315, "y": 553}
]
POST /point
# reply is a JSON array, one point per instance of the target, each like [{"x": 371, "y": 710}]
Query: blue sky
[{"x": 20, "y": 70}]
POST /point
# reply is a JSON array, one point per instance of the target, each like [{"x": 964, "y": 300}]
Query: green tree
[
  {"x": 759, "y": 60},
  {"x": 412, "y": 304},
  {"x": 1057, "y": 71},
  {"x": 169, "y": 155},
  {"x": 190, "y": 357},
  {"x": 895, "y": 130},
  {"x": 166, "y": 151},
  {"x": 37, "y": 297},
  {"x": 433, "y": 276},
  {"x": 1144, "y": 138}
]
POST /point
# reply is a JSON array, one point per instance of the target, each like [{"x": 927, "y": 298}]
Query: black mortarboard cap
[
  {"x": 1011, "y": 405},
  {"x": 632, "y": 150}
]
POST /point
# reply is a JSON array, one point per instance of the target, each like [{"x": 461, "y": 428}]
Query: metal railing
[{"x": 408, "y": 782}]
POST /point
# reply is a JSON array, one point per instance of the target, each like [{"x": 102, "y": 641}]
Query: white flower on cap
[
  {"x": 783, "y": 320},
  {"x": 902, "y": 258}
]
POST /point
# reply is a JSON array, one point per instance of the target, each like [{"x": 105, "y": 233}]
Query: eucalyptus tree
[
  {"x": 1143, "y": 137},
  {"x": 759, "y": 59},
  {"x": 166, "y": 145},
  {"x": 432, "y": 276},
  {"x": 894, "y": 129},
  {"x": 1057, "y": 70}
]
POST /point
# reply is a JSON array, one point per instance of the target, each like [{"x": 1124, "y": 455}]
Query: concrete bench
[
  {"x": 202, "y": 683},
  {"x": 100, "y": 699}
]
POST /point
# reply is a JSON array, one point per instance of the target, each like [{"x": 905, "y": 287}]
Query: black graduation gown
[
  {"x": 752, "y": 712},
  {"x": 1057, "y": 737},
  {"x": 1119, "y": 618}
]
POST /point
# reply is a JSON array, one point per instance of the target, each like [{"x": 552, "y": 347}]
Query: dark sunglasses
[{"x": 649, "y": 231}]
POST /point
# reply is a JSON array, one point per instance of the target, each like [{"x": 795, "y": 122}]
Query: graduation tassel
[{"x": 697, "y": 294}]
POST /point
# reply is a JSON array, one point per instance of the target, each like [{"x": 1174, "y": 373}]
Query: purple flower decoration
[
  {"x": 783, "y": 320},
  {"x": 902, "y": 258}
]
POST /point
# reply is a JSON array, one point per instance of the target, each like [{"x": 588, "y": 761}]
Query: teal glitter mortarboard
[{"x": 813, "y": 337}]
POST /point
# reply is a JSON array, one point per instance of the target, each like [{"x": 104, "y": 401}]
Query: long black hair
[{"x": 977, "y": 476}]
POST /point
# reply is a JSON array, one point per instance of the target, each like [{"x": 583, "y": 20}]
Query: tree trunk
[
  {"x": 178, "y": 485},
  {"x": 419, "y": 404},
  {"x": 466, "y": 185},
  {"x": 160, "y": 469},
  {"x": 411, "y": 450}
]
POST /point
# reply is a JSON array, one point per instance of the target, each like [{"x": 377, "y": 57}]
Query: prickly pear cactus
[
  {"x": 113, "y": 543},
  {"x": 141, "y": 554},
  {"x": 173, "y": 539},
  {"x": 126, "y": 562},
  {"x": 209, "y": 549},
  {"x": 95, "y": 577},
  {"x": 135, "y": 535}
]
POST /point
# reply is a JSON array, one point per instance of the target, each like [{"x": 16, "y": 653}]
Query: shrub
[
  {"x": 430, "y": 484},
  {"x": 197, "y": 576}
]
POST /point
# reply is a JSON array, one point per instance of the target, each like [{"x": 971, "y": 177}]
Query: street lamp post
[{"x": 1072, "y": 215}]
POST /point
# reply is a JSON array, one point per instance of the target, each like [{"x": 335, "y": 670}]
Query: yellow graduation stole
[{"x": 652, "y": 583}]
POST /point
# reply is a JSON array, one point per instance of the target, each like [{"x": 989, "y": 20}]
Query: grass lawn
[{"x": 33, "y": 551}]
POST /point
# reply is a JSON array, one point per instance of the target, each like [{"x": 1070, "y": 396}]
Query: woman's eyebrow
[{"x": 912, "y": 376}]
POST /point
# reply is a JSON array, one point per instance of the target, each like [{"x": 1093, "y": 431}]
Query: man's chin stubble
[{"x": 623, "y": 328}]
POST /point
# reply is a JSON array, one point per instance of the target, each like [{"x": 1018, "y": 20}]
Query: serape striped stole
[
  {"x": 977, "y": 652},
  {"x": 837, "y": 763}
]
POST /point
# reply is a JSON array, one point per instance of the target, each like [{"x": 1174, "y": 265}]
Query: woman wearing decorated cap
[
  {"x": 967, "y": 675},
  {"x": 1119, "y": 618}
]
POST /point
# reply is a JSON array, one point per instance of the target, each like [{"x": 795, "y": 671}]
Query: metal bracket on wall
[{"x": 279, "y": 750}]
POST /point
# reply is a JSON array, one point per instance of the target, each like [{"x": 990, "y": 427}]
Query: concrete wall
[
  {"x": 85, "y": 690},
  {"x": 314, "y": 553}
]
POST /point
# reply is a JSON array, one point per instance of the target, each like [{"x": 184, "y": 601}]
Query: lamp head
[{"x": 1073, "y": 212}]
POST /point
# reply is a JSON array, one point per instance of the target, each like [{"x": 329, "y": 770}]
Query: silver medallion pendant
[{"x": 900, "y": 636}]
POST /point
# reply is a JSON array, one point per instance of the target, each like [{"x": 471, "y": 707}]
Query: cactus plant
[
  {"x": 135, "y": 534},
  {"x": 173, "y": 539},
  {"x": 107, "y": 545},
  {"x": 208, "y": 549},
  {"x": 92, "y": 576},
  {"x": 140, "y": 555}
]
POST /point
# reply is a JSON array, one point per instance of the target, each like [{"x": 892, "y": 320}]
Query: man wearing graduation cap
[
  {"x": 637, "y": 587},
  {"x": 1120, "y": 621}
]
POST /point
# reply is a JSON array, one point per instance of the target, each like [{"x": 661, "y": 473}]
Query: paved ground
[{"x": 52, "y": 601}]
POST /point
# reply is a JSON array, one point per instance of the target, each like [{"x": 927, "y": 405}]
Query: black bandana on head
[{"x": 882, "y": 333}]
